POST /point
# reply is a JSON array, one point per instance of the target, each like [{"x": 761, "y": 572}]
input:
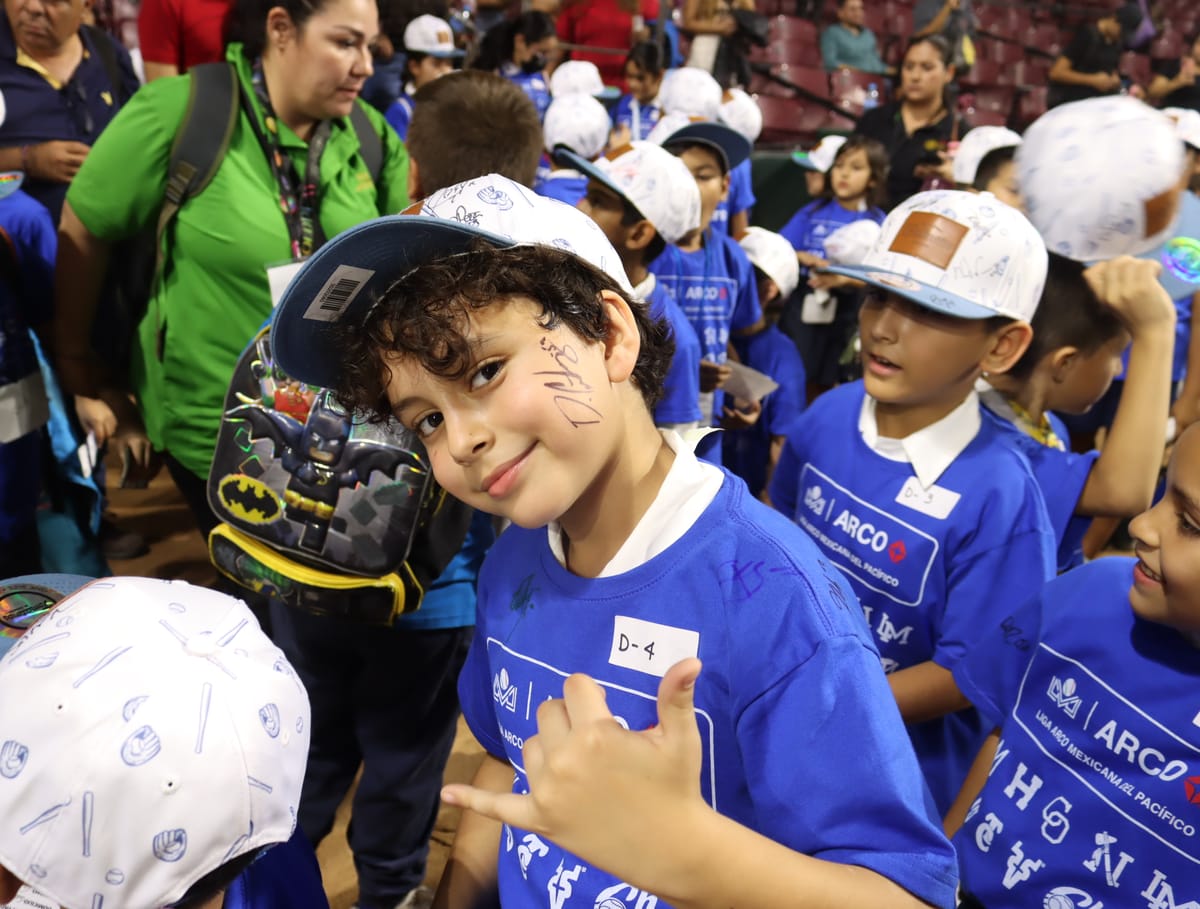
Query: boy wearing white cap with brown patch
[
  {"x": 155, "y": 753},
  {"x": 430, "y": 52},
  {"x": 756, "y": 430},
  {"x": 899, "y": 479},
  {"x": 501, "y": 327},
  {"x": 985, "y": 162}
]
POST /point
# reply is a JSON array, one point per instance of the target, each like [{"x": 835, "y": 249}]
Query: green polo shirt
[{"x": 216, "y": 294}]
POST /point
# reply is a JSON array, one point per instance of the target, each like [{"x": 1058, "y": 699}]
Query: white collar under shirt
[{"x": 930, "y": 450}]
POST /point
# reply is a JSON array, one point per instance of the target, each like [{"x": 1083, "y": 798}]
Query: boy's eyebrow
[{"x": 1188, "y": 502}]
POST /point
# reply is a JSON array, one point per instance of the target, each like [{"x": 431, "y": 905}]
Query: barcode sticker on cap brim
[{"x": 338, "y": 293}]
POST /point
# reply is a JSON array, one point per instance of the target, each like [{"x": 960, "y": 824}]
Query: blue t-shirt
[
  {"x": 285, "y": 876},
  {"x": 680, "y": 402},
  {"x": 450, "y": 600},
  {"x": 1092, "y": 798},
  {"x": 740, "y": 198},
  {"x": 27, "y": 294},
  {"x": 566, "y": 186},
  {"x": 791, "y": 703},
  {"x": 533, "y": 84},
  {"x": 746, "y": 451},
  {"x": 809, "y": 227},
  {"x": 930, "y": 567},
  {"x": 399, "y": 113},
  {"x": 37, "y": 110},
  {"x": 1062, "y": 476},
  {"x": 628, "y": 109},
  {"x": 715, "y": 288}
]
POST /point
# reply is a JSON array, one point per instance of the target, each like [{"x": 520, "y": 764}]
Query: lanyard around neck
[{"x": 299, "y": 201}]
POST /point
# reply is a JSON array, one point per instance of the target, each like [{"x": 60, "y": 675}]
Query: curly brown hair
[{"x": 424, "y": 316}]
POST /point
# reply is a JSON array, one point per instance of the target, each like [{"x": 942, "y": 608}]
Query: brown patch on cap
[
  {"x": 1160, "y": 211},
  {"x": 613, "y": 153},
  {"x": 444, "y": 36},
  {"x": 929, "y": 237},
  {"x": 414, "y": 209}
]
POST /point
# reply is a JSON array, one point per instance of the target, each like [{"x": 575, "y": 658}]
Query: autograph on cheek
[{"x": 571, "y": 393}]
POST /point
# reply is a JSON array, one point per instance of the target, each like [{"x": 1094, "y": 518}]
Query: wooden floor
[{"x": 177, "y": 551}]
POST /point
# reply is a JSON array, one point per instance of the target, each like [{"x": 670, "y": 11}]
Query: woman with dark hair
[
  {"x": 292, "y": 175},
  {"x": 918, "y": 127},
  {"x": 1174, "y": 83},
  {"x": 519, "y": 51}
]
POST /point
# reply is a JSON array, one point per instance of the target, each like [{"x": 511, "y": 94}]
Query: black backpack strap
[
  {"x": 200, "y": 144},
  {"x": 107, "y": 52},
  {"x": 370, "y": 146}
]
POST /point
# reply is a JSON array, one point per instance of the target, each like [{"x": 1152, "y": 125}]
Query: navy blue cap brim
[
  {"x": 732, "y": 146},
  {"x": 923, "y": 295},
  {"x": 319, "y": 298}
]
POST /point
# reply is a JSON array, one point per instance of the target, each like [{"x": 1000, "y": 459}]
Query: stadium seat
[
  {"x": 790, "y": 121},
  {"x": 848, "y": 89},
  {"x": 793, "y": 30},
  {"x": 1137, "y": 67},
  {"x": 1031, "y": 104}
]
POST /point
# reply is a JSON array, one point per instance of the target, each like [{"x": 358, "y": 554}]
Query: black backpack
[{"x": 141, "y": 262}]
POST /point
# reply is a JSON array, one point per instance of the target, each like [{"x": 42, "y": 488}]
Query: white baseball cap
[
  {"x": 851, "y": 243},
  {"x": 1099, "y": 177},
  {"x": 691, "y": 92},
  {"x": 344, "y": 279},
  {"x": 151, "y": 734},
  {"x": 740, "y": 111},
  {"x": 820, "y": 156},
  {"x": 579, "y": 122},
  {"x": 774, "y": 256},
  {"x": 652, "y": 180},
  {"x": 978, "y": 144},
  {"x": 432, "y": 36},
  {"x": 963, "y": 254},
  {"x": 580, "y": 77},
  {"x": 1187, "y": 124}
]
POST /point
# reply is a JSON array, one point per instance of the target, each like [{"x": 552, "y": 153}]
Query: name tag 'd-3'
[
  {"x": 934, "y": 501},
  {"x": 650, "y": 647}
]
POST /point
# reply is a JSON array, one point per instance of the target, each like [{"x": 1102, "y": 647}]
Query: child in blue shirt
[
  {"x": 755, "y": 431},
  {"x": 709, "y": 275},
  {"x": 643, "y": 199},
  {"x": 499, "y": 325},
  {"x": 519, "y": 50},
  {"x": 637, "y": 110},
  {"x": 1085, "y": 794},
  {"x": 739, "y": 111},
  {"x": 578, "y": 123},
  {"x": 27, "y": 245},
  {"x": 1085, "y": 321},
  {"x": 823, "y": 313},
  {"x": 898, "y": 477},
  {"x": 430, "y": 52}
]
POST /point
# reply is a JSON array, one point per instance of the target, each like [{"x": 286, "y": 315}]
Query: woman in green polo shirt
[{"x": 293, "y": 176}]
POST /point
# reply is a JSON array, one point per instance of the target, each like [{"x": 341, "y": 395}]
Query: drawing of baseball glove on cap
[{"x": 155, "y": 733}]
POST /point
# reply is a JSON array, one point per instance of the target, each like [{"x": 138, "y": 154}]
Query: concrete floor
[{"x": 177, "y": 551}]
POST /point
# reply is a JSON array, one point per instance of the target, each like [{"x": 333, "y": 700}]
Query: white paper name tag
[
  {"x": 650, "y": 647},
  {"x": 934, "y": 501},
  {"x": 279, "y": 277}
]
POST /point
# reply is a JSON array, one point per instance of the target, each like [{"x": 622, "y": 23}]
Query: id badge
[
  {"x": 279, "y": 276},
  {"x": 818, "y": 308}
]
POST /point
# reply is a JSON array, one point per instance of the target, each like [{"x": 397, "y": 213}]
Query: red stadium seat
[
  {"x": 1031, "y": 105},
  {"x": 984, "y": 72},
  {"x": 790, "y": 121},
  {"x": 1137, "y": 67},
  {"x": 848, "y": 89},
  {"x": 1168, "y": 46},
  {"x": 793, "y": 30}
]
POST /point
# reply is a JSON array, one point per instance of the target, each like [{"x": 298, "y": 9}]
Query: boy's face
[
  {"x": 607, "y": 209},
  {"x": 1088, "y": 377},
  {"x": 705, "y": 165},
  {"x": 529, "y": 426},
  {"x": 428, "y": 69},
  {"x": 1166, "y": 580},
  {"x": 1004, "y": 185},
  {"x": 914, "y": 357}
]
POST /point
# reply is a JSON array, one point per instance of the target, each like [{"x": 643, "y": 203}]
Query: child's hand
[
  {"x": 713, "y": 375},
  {"x": 823, "y": 280},
  {"x": 614, "y": 797},
  {"x": 741, "y": 417},
  {"x": 808, "y": 260},
  {"x": 1130, "y": 286},
  {"x": 95, "y": 417}
]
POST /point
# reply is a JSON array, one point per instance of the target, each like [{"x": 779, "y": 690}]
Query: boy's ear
[
  {"x": 1008, "y": 346},
  {"x": 414, "y": 180},
  {"x": 725, "y": 186},
  {"x": 1061, "y": 362},
  {"x": 623, "y": 342},
  {"x": 640, "y": 235},
  {"x": 9, "y": 885}
]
